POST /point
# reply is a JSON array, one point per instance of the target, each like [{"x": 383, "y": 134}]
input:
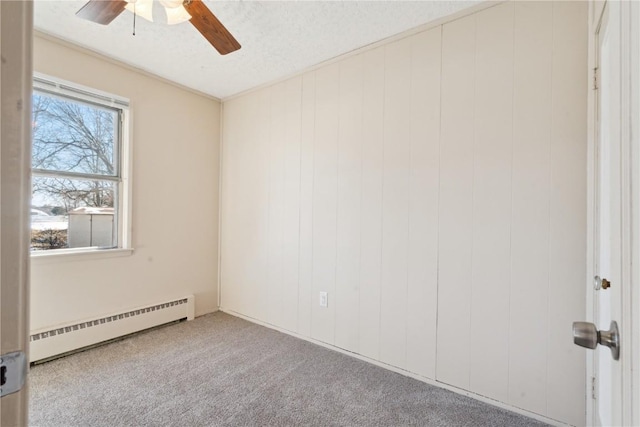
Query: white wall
[
  {"x": 435, "y": 188},
  {"x": 175, "y": 144}
]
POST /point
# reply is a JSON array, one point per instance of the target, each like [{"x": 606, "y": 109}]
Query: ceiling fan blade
[
  {"x": 101, "y": 11},
  {"x": 210, "y": 27}
]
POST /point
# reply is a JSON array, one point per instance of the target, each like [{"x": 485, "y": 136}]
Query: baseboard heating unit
[{"x": 50, "y": 342}]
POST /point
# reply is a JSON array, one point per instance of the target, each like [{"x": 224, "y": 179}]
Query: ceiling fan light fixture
[
  {"x": 142, "y": 8},
  {"x": 172, "y": 4},
  {"x": 173, "y": 10},
  {"x": 177, "y": 15}
]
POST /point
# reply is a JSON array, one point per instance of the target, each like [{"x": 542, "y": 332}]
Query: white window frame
[{"x": 78, "y": 92}]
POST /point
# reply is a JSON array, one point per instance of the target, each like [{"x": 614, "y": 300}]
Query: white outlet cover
[{"x": 324, "y": 299}]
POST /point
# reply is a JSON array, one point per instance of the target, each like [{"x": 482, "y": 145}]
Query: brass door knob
[{"x": 601, "y": 283}]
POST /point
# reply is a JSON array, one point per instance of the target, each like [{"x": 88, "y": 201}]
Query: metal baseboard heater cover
[{"x": 50, "y": 342}]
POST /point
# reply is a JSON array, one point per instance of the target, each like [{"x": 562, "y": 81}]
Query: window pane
[
  {"x": 72, "y": 136},
  {"x": 72, "y": 213}
]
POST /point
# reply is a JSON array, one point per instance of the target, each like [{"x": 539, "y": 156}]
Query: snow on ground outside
[{"x": 49, "y": 222}]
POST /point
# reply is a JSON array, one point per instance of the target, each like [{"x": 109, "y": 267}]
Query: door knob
[{"x": 586, "y": 334}]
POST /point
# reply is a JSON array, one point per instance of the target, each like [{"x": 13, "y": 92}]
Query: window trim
[{"x": 56, "y": 86}]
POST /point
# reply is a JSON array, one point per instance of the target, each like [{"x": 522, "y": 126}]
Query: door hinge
[
  {"x": 593, "y": 388},
  {"x": 595, "y": 78}
]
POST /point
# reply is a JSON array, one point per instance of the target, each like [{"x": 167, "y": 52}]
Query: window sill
[{"x": 83, "y": 254}]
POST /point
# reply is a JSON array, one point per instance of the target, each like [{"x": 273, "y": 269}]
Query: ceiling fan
[{"x": 105, "y": 11}]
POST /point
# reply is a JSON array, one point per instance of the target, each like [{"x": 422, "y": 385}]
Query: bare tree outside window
[{"x": 74, "y": 162}]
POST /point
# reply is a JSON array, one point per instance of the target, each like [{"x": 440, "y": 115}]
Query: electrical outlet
[{"x": 324, "y": 299}]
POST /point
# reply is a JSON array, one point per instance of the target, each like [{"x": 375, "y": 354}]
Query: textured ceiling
[{"x": 278, "y": 38}]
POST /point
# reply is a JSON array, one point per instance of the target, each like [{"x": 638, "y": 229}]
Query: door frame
[
  {"x": 16, "y": 28},
  {"x": 630, "y": 202},
  {"x": 631, "y": 87}
]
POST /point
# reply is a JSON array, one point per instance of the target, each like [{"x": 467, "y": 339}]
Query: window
[{"x": 78, "y": 161}]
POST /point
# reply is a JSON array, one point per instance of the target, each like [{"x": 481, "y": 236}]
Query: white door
[
  {"x": 607, "y": 257},
  {"x": 607, "y": 226},
  {"x": 613, "y": 392}
]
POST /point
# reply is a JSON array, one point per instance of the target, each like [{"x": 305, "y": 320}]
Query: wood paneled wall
[{"x": 435, "y": 187}]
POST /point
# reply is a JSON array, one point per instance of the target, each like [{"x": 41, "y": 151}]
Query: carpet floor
[{"x": 219, "y": 370}]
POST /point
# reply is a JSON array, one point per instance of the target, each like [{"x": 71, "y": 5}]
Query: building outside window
[{"x": 79, "y": 158}]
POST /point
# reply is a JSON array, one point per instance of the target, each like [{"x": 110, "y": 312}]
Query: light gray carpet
[{"x": 219, "y": 370}]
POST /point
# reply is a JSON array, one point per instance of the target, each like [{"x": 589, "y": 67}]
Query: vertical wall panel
[
  {"x": 261, "y": 135},
  {"x": 245, "y": 217},
  {"x": 456, "y": 186},
  {"x": 242, "y": 145},
  {"x": 371, "y": 211},
  {"x": 307, "y": 138},
  {"x": 491, "y": 265},
  {"x": 234, "y": 133},
  {"x": 349, "y": 199},
  {"x": 567, "y": 249},
  {"x": 291, "y": 208},
  {"x": 530, "y": 207},
  {"x": 395, "y": 203},
  {"x": 275, "y": 260},
  {"x": 325, "y": 185},
  {"x": 422, "y": 292}
]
